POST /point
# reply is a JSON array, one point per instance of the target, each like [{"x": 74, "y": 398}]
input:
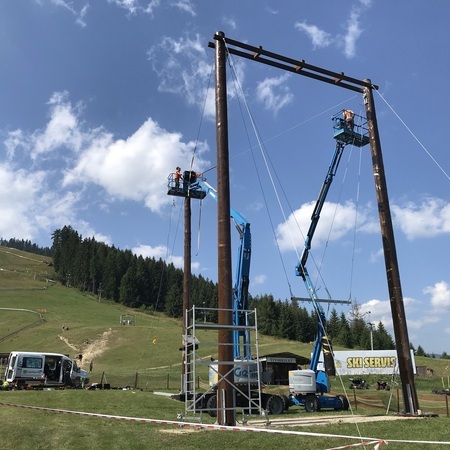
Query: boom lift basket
[{"x": 356, "y": 133}]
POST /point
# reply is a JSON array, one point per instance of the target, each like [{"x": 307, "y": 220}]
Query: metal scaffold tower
[{"x": 201, "y": 368}]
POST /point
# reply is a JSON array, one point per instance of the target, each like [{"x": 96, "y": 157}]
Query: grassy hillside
[
  {"x": 93, "y": 329},
  {"x": 150, "y": 348},
  {"x": 147, "y": 355}
]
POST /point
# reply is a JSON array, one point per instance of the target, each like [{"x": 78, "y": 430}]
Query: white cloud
[
  {"x": 440, "y": 296},
  {"x": 19, "y": 191},
  {"x": 374, "y": 257},
  {"x": 29, "y": 207},
  {"x": 15, "y": 140},
  {"x": 272, "y": 11},
  {"x": 147, "y": 251},
  {"x": 86, "y": 230},
  {"x": 258, "y": 280},
  {"x": 342, "y": 217},
  {"x": 136, "y": 6},
  {"x": 135, "y": 168},
  {"x": 380, "y": 311},
  {"x": 161, "y": 252},
  {"x": 61, "y": 130},
  {"x": 273, "y": 94},
  {"x": 68, "y": 6},
  {"x": 183, "y": 68},
  {"x": 376, "y": 311},
  {"x": 353, "y": 33},
  {"x": 228, "y": 21},
  {"x": 255, "y": 206},
  {"x": 322, "y": 39},
  {"x": 428, "y": 219},
  {"x": 186, "y": 6},
  {"x": 319, "y": 38}
]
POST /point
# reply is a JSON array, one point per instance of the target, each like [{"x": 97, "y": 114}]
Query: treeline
[
  {"x": 152, "y": 284},
  {"x": 286, "y": 319},
  {"x": 121, "y": 276},
  {"x": 26, "y": 246}
]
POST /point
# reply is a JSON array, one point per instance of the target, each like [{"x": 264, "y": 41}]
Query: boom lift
[
  {"x": 308, "y": 387},
  {"x": 196, "y": 187},
  {"x": 247, "y": 379},
  {"x": 246, "y": 372},
  {"x": 241, "y": 338}
]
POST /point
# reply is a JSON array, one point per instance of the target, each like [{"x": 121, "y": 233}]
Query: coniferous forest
[
  {"x": 26, "y": 246},
  {"x": 150, "y": 284}
]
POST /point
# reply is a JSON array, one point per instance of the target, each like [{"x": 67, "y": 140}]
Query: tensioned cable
[
  {"x": 353, "y": 256},
  {"x": 320, "y": 265},
  {"x": 239, "y": 89},
  {"x": 193, "y": 157},
  {"x": 332, "y": 108},
  {"x": 415, "y": 137},
  {"x": 176, "y": 230},
  {"x": 352, "y": 264},
  {"x": 199, "y": 228},
  {"x": 260, "y": 144},
  {"x": 358, "y": 185},
  {"x": 355, "y": 221},
  {"x": 167, "y": 250},
  {"x": 274, "y": 187},
  {"x": 267, "y": 158},
  {"x": 201, "y": 116}
]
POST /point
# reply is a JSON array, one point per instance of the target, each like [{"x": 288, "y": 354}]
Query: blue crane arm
[
  {"x": 241, "y": 339},
  {"x": 334, "y": 164},
  {"x": 301, "y": 270}
]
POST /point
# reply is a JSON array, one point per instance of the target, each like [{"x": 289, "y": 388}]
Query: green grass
[
  {"x": 43, "y": 429},
  {"x": 127, "y": 355}
]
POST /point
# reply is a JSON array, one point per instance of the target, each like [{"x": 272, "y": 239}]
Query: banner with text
[{"x": 365, "y": 362}]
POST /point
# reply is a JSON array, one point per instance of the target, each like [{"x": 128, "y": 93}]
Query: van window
[
  {"x": 13, "y": 361},
  {"x": 32, "y": 362},
  {"x": 51, "y": 361}
]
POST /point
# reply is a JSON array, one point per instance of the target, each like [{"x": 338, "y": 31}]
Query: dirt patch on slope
[{"x": 91, "y": 349}]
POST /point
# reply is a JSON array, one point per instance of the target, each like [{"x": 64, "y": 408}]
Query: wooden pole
[
  {"x": 410, "y": 399},
  {"x": 187, "y": 277},
  {"x": 225, "y": 395}
]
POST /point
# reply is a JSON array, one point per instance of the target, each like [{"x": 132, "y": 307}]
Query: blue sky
[{"x": 101, "y": 100}]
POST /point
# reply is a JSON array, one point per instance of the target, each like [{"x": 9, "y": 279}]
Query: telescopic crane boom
[
  {"x": 303, "y": 391},
  {"x": 241, "y": 339}
]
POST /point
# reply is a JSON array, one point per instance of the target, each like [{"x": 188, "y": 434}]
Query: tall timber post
[
  {"x": 187, "y": 282},
  {"x": 410, "y": 399},
  {"x": 225, "y": 396}
]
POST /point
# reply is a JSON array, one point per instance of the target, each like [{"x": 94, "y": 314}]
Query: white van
[{"x": 50, "y": 369}]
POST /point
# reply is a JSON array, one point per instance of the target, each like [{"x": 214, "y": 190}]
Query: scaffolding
[{"x": 246, "y": 372}]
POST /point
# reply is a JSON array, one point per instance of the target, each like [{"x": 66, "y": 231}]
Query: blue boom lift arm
[
  {"x": 357, "y": 135},
  {"x": 241, "y": 339},
  {"x": 301, "y": 393},
  {"x": 301, "y": 269}
]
